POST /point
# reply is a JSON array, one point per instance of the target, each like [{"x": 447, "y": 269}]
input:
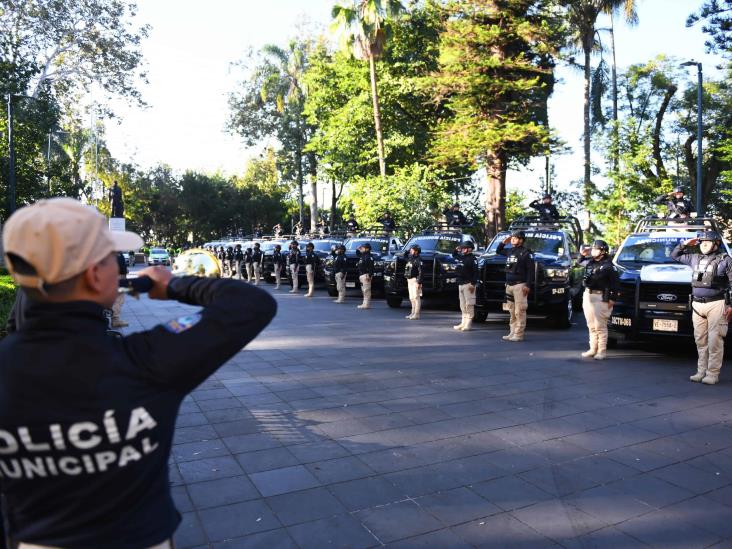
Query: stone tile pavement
[{"x": 347, "y": 428}]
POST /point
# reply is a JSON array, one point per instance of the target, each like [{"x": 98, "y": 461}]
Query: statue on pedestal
[{"x": 118, "y": 205}]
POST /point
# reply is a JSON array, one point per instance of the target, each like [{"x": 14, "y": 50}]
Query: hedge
[{"x": 7, "y": 298}]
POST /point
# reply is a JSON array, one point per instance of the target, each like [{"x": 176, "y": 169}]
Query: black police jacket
[
  {"x": 676, "y": 207},
  {"x": 545, "y": 211},
  {"x": 340, "y": 263},
  {"x": 365, "y": 265},
  {"x": 467, "y": 269},
  {"x": 601, "y": 276},
  {"x": 278, "y": 258},
  {"x": 722, "y": 278},
  {"x": 311, "y": 259},
  {"x": 87, "y": 419},
  {"x": 257, "y": 255},
  {"x": 455, "y": 219},
  {"x": 413, "y": 268},
  {"x": 238, "y": 255},
  {"x": 519, "y": 264},
  {"x": 352, "y": 225},
  {"x": 389, "y": 224},
  {"x": 247, "y": 257},
  {"x": 293, "y": 257}
]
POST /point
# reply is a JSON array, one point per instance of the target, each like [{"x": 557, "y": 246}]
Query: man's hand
[
  {"x": 471, "y": 288},
  {"x": 692, "y": 242},
  {"x": 610, "y": 305},
  {"x": 728, "y": 314},
  {"x": 526, "y": 290},
  {"x": 585, "y": 251},
  {"x": 507, "y": 240},
  {"x": 160, "y": 277}
]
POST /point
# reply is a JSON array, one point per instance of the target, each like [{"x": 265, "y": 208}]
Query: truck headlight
[{"x": 557, "y": 273}]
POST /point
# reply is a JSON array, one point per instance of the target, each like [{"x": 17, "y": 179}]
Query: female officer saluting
[{"x": 601, "y": 290}]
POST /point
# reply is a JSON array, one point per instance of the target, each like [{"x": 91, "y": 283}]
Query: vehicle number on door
[{"x": 663, "y": 325}]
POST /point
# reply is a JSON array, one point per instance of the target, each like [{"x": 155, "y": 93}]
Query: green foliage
[
  {"x": 7, "y": 298},
  {"x": 413, "y": 194},
  {"x": 717, "y": 23}
]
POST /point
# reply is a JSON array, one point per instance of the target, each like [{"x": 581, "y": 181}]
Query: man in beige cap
[{"x": 86, "y": 419}]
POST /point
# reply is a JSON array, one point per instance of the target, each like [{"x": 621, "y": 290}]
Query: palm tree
[
  {"x": 282, "y": 83},
  {"x": 361, "y": 27},
  {"x": 583, "y": 15}
]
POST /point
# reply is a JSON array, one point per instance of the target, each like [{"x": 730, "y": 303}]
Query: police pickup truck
[
  {"x": 556, "y": 291},
  {"x": 655, "y": 289},
  {"x": 383, "y": 245},
  {"x": 439, "y": 278}
]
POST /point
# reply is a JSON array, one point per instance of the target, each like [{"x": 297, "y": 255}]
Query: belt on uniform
[
  {"x": 595, "y": 291},
  {"x": 515, "y": 282},
  {"x": 707, "y": 299}
]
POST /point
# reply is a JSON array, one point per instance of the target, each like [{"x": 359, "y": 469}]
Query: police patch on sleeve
[{"x": 180, "y": 325}]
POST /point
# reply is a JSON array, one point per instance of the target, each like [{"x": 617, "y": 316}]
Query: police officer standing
[
  {"x": 248, "y": 264},
  {"x": 519, "y": 278},
  {"x": 365, "y": 273},
  {"x": 293, "y": 263},
  {"x": 278, "y": 261},
  {"x": 677, "y": 205},
  {"x": 100, "y": 478},
  {"x": 454, "y": 216},
  {"x": 339, "y": 269},
  {"x": 238, "y": 260},
  {"x": 352, "y": 226},
  {"x": 388, "y": 222},
  {"x": 311, "y": 267},
  {"x": 221, "y": 256},
  {"x": 546, "y": 210},
  {"x": 602, "y": 284},
  {"x": 413, "y": 274},
  {"x": 230, "y": 260},
  {"x": 467, "y": 279},
  {"x": 117, "y": 321},
  {"x": 711, "y": 312},
  {"x": 257, "y": 263}
]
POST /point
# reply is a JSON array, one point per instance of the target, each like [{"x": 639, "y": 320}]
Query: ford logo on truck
[{"x": 667, "y": 297}]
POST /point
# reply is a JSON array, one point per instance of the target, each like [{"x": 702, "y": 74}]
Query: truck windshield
[
  {"x": 441, "y": 244},
  {"x": 650, "y": 250},
  {"x": 545, "y": 243},
  {"x": 378, "y": 245}
]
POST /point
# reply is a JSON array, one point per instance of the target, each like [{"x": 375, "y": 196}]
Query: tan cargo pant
[
  {"x": 414, "y": 297},
  {"x": 517, "y": 305},
  {"x": 277, "y": 274},
  {"x": 366, "y": 290},
  {"x": 310, "y": 274},
  {"x": 467, "y": 301},
  {"x": 597, "y": 314},
  {"x": 294, "y": 269},
  {"x": 238, "y": 270},
  {"x": 340, "y": 279},
  {"x": 710, "y": 329},
  {"x": 250, "y": 272},
  {"x": 257, "y": 268}
]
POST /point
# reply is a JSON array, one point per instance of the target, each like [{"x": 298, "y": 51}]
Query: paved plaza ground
[{"x": 346, "y": 428}]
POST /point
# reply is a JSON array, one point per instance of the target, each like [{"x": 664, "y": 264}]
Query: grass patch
[{"x": 7, "y": 297}]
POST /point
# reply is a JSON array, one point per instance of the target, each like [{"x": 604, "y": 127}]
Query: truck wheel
[
  {"x": 562, "y": 317},
  {"x": 332, "y": 292},
  {"x": 480, "y": 316},
  {"x": 394, "y": 301}
]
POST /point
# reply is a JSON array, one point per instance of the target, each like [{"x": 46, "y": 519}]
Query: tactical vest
[
  {"x": 409, "y": 268},
  {"x": 513, "y": 260},
  {"x": 705, "y": 273}
]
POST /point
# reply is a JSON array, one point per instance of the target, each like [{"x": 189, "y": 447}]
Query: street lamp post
[{"x": 699, "y": 96}]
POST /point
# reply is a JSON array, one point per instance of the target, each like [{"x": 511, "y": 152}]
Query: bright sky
[{"x": 193, "y": 43}]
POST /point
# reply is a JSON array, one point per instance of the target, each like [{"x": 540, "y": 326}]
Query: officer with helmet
[
  {"x": 677, "y": 205},
  {"x": 311, "y": 267},
  {"x": 413, "y": 274},
  {"x": 293, "y": 259},
  {"x": 710, "y": 302},
  {"x": 340, "y": 265},
  {"x": 546, "y": 210},
  {"x": 278, "y": 261},
  {"x": 467, "y": 279},
  {"x": 519, "y": 277},
  {"x": 365, "y": 273},
  {"x": 601, "y": 283},
  {"x": 454, "y": 217}
]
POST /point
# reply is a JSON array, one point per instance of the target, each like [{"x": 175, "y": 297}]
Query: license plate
[
  {"x": 662, "y": 325},
  {"x": 350, "y": 284}
]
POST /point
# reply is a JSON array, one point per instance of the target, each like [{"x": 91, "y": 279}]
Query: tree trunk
[
  {"x": 588, "y": 167},
  {"x": 660, "y": 167},
  {"x": 313, "y": 173},
  {"x": 377, "y": 117},
  {"x": 495, "y": 206},
  {"x": 616, "y": 130},
  {"x": 333, "y": 205},
  {"x": 300, "y": 184}
]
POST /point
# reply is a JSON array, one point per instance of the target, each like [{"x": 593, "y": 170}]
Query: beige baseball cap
[{"x": 60, "y": 238}]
